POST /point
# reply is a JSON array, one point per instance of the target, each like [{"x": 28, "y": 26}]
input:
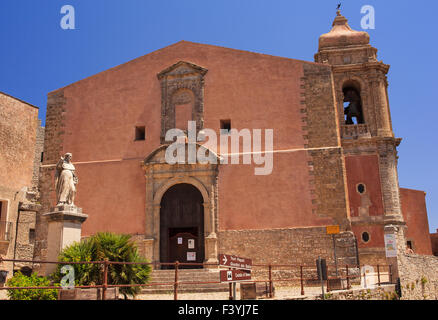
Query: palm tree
[{"x": 102, "y": 246}]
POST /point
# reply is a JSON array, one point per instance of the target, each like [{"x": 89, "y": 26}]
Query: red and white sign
[
  {"x": 235, "y": 275},
  {"x": 230, "y": 261}
]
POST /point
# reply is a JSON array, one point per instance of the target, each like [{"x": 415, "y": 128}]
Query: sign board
[
  {"x": 332, "y": 229},
  {"x": 235, "y": 275},
  {"x": 191, "y": 256},
  {"x": 230, "y": 261},
  {"x": 390, "y": 246},
  {"x": 191, "y": 243}
]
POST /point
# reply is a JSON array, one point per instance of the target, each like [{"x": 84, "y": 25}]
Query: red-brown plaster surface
[
  {"x": 255, "y": 91},
  {"x": 415, "y": 215}
]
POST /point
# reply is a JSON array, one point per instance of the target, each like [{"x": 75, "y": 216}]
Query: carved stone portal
[{"x": 160, "y": 176}]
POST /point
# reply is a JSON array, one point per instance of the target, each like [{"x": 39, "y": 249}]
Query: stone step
[
  {"x": 186, "y": 278},
  {"x": 219, "y": 287},
  {"x": 186, "y": 275},
  {"x": 182, "y": 290}
]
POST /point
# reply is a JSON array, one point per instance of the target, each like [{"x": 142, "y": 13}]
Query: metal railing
[{"x": 305, "y": 275}]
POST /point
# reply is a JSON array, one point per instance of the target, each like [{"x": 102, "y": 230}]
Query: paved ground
[{"x": 280, "y": 294}]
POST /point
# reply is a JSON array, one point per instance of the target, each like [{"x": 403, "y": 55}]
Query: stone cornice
[
  {"x": 377, "y": 65},
  {"x": 348, "y": 143}
]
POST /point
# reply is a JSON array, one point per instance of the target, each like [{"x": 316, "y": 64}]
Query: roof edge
[
  {"x": 22, "y": 101},
  {"x": 190, "y": 42}
]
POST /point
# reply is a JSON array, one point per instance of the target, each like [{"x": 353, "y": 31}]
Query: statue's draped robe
[{"x": 65, "y": 185}]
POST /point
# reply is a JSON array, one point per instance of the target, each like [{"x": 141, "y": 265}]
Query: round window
[
  {"x": 365, "y": 236},
  {"x": 361, "y": 188}
]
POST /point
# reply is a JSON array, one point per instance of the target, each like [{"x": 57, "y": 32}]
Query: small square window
[
  {"x": 31, "y": 235},
  {"x": 226, "y": 125},
  {"x": 140, "y": 133}
]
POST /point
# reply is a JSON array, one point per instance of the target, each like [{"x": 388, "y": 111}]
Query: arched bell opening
[{"x": 353, "y": 112}]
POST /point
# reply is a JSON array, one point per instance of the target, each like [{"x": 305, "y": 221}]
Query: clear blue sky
[{"x": 37, "y": 56}]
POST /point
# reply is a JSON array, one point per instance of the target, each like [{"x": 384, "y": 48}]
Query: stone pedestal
[
  {"x": 211, "y": 253},
  {"x": 149, "y": 249},
  {"x": 64, "y": 228}
]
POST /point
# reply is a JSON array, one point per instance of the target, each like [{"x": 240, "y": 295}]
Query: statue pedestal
[{"x": 64, "y": 228}]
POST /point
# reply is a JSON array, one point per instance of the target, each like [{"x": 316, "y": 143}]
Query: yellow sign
[{"x": 332, "y": 229}]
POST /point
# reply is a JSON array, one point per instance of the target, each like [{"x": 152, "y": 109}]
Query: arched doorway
[{"x": 182, "y": 225}]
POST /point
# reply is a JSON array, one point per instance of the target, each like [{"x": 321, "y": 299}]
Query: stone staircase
[{"x": 185, "y": 276}]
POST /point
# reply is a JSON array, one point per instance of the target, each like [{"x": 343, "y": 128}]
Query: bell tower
[
  {"x": 360, "y": 79},
  {"x": 369, "y": 145}
]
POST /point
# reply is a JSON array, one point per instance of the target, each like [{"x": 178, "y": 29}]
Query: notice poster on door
[
  {"x": 390, "y": 246},
  {"x": 179, "y": 240},
  {"x": 191, "y": 256},
  {"x": 191, "y": 244}
]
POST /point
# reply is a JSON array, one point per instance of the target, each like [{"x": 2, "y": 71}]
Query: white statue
[{"x": 65, "y": 181}]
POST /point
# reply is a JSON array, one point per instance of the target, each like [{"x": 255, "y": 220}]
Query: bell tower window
[{"x": 352, "y": 106}]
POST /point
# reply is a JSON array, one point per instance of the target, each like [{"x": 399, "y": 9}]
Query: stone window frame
[
  {"x": 412, "y": 243},
  {"x": 221, "y": 123},
  {"x": 182, "y": 75},
  {"x": 143, "y": 131},
  {"x": 4, "y": 203},
  {"x": 369, "y": 236},
  {"x": 357, "y": 188}
]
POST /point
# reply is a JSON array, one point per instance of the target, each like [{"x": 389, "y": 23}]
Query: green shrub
[
  {"x": 101, "y": 246},
  {"x": 20, "y": 280}
]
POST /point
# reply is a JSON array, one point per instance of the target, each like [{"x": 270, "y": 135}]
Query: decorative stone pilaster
[
  {"x": 64, "y": 228},
  {"x": 389, "y": 178},
  {"x": 378, "y": 91},
  {"x": 149, "y": 249},
  {"x": 211, "y": 253}
]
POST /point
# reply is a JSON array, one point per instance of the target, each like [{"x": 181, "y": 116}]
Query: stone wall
[
  {"x": 18, "y": 125},
  {"x": 418, "y": 277},
  {"x": 25, "y": 238},
  {"x": 39, "y": 148},
  {"x": 53, "y": 148},
  {"x": 386, "y": 292},
  {"x": 298, "y": 246},
  {"x": 18, "y": 131},
  {"x": 326, "y": 165}
]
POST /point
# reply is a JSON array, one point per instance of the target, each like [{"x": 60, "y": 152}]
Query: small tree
[
  {"x": 20, "y": 280},
  {"x": 101, "y": 246}
]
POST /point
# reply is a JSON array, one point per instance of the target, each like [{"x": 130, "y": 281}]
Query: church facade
[{"x": 334, "y": 154}]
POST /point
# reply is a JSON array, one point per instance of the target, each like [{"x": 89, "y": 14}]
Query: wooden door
[
  {"x": 182, "y": 217},
  {"x": 183, "y": 247}
]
